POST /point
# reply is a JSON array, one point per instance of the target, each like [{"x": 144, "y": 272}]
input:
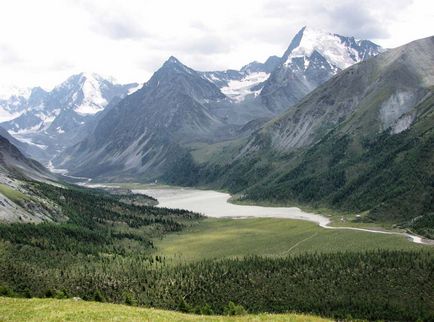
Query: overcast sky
[{"x": 43, "y": 42}]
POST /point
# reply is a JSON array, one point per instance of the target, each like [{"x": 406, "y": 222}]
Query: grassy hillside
[
  {"x": 14, "y": 195},
  {"x": 14, "y": 309},
  {"x": 223, "y": 238}
]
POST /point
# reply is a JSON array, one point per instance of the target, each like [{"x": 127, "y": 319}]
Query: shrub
[{"x": 234, "y": 309}]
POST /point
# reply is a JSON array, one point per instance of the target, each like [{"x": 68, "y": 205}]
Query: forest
[{"x": 105, "y": 252}]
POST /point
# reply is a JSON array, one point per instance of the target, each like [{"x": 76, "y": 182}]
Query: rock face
[
  {"x": 52, "y": 120},
  {"x": 312, "y": 58},
  {"x": 142, "y": 134}
]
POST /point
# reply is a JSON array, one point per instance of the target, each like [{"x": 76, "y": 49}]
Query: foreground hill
[{"x": 13, "y": 309}]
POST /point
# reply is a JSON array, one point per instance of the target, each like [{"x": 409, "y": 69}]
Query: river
[{"x": 215, "y": 204}]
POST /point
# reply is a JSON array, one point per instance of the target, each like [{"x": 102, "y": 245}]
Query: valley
[{"x": 295, "y": 188}]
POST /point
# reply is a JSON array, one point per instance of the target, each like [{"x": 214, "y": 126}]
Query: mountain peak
[
  {"x": 339, "y": 51},
  {"x": 173, "y": 65},
  {"x": 172, "y": 60}
]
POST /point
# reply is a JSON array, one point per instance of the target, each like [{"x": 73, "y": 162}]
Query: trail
[
  {"x": 298, "y": 243},
  {"x": 413, "y": 238}
]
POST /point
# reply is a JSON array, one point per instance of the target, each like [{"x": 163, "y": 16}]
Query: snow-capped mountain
[
  {"x": 312, "y": 57},
  {"x": 239, "y": 84},
  {"x": 53, "y": 119}
]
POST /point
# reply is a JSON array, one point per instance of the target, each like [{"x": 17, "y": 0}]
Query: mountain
[
  {"x": 179, "y": 109},
  {"x": 52, "y": 120},
  {"x": 142, "y": 134},
  {"x": 361, "y": 143},
  {"x": 312, "y": 58},
  {"x": 246, "y": 82}
]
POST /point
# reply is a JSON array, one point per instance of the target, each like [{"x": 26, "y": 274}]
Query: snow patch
[
  {"x": 237, "y": 90},
  {"x": 31, "y": 129}
]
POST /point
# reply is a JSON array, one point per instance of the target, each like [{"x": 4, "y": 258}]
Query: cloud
[
  {"x": 131, "y": 39},
  {"x": 61, "y": 65},
  {"x": 9, "y": 55},
  {"x": 114, "y": 21},
  {"x": 204, "y": 44},
  {"x": 119, "y": 27},
  {"x": 366, "y": 19}
]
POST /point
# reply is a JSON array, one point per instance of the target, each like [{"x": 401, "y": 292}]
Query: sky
[{"x": 43, "y": 42}]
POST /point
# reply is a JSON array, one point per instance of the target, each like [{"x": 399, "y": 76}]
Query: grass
[
  {"x": 15, "y": 309},
  {"x": 12, "y": 194},
  {"x": 226, "y": 238}
]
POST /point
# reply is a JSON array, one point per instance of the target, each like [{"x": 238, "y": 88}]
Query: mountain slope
[
  {"x": 362, "y": 142},
  {"x": 312, "y": 58},
  {"x": 18, "y": 202}
]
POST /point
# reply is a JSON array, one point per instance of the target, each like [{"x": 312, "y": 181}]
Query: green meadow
[{"x": 226, "y": 238}]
